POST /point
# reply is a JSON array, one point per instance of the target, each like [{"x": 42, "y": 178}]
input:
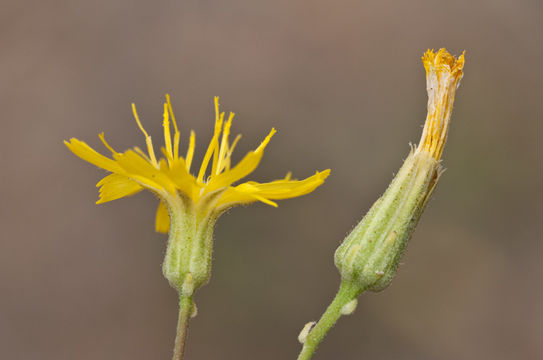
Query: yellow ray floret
[
  {"x": 443, "y": 75},
  {"x": 169, "y": 176}
]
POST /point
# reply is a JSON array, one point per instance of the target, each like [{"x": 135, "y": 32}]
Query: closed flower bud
[{"x": 369, "y": 256}]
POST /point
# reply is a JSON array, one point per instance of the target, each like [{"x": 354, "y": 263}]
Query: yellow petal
[
  {"x": 115, "y": 186},
  {"x": 162, "y": 220},
  {"x": 242, "y": 194},
  {"x": 86, "y": 153},
  {"x": 246, "y": 166},
  {"x": 183, "y": 180},
  {"x": 275, "y": 190},
  {"x": 285, "y": 189},
  {"x": 139, "y": 169}
]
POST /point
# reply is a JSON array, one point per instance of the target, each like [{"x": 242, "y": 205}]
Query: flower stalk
[
  {"x": 341, "y": 305},
  {"x": 186, "y": 307}
]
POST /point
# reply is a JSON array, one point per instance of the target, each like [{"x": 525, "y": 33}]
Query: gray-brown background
[{"x": 343, "y": 84}]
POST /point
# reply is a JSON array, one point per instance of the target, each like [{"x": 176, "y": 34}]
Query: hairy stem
[
  {"x": 347, "y": 292},
  {"x": 185, "y": 311}
]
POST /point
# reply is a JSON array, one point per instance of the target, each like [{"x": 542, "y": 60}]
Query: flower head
[
  {"x": 170, "y": 176},
  {"x": 370, "y": 254}
]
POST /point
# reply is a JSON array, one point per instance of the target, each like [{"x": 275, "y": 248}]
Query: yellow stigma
[{"x": 443, "y": 75}]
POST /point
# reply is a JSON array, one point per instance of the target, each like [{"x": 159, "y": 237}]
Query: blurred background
[{"x": 343, "y": 83}]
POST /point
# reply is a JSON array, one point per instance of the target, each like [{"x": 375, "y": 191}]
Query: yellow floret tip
[{"x": 443, "y": 75}]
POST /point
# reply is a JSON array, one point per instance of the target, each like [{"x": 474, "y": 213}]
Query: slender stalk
[
  {"x": 185, "y": 311},
  {"x": 347, "y": 292}
]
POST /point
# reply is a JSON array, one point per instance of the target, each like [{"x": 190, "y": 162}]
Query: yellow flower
[
  {"x": 169, "y": 177},
  {"x": 189, "y": 204}
]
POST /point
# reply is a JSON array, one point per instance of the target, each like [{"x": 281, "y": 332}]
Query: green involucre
[{"x": 370, "y": 254}]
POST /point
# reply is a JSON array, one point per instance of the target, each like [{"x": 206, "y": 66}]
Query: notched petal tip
[
  {"x": 443, "y": 61},
  {"x": 324, "y": 173},
  {"x": 115, "y": 186}
]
